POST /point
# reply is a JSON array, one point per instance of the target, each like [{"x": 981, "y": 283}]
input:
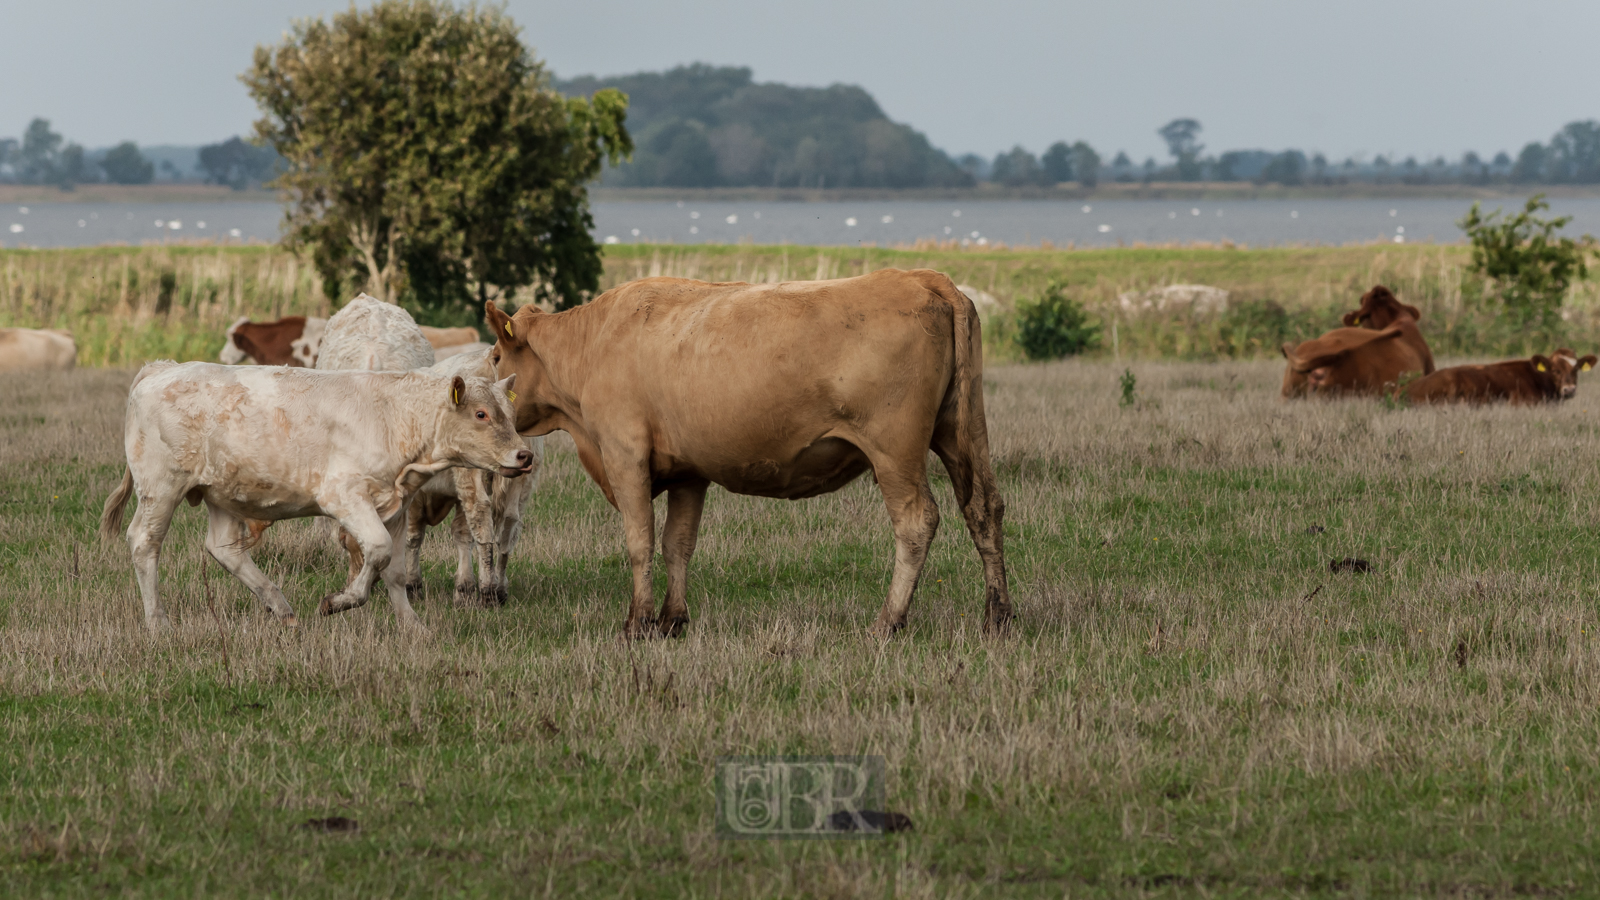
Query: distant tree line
[
  {"x": 1571, "y": 157},
  {"x": 708, "y": 126},
  {"x": 43, "y": 156}
]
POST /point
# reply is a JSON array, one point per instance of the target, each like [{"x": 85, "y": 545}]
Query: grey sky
[{"x": 1427, "y": 77}]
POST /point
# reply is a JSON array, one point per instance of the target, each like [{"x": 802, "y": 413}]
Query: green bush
[
  {"x": 1529, "y": 266},
  {"x": 1054, "y": 325}
]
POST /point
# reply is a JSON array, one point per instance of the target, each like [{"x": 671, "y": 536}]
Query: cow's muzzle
[{"x": 524, "y": 465}]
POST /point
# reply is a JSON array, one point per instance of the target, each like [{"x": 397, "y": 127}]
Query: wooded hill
[{"x": 709, "y": 126}]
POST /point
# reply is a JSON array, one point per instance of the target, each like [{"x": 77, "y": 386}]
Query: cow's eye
[{"x": 482, "y": 414}]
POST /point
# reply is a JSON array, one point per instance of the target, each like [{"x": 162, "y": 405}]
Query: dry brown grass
[{"x": 1192, "y": 703}]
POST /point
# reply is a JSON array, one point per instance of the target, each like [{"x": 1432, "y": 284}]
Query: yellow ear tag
[
  {"x": 1541, "y": 367},
  {"x": 455, "y": 396},
  {"x": 1586, "y": 367},
  {"x": 512, "y": 396},
  {"x": 508, "y": 330}
]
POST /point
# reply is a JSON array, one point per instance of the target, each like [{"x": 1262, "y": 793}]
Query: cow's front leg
[
  {"x": 478, "y": 507},
  {"x": 632, "y": 492},
  {"x": 360, "y": 520},
  {"x": 684, "y": 505}
]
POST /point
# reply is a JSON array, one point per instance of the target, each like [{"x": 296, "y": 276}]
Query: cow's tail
[
  {"x": 111, "y": 515},
  {"x": 968, "y": 353}
]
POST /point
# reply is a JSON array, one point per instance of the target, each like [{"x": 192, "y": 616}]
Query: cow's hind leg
[
  {"x": 416, "y": 531},
  {"x": 146, "y": 532},
  {"x": 684, "y": 504},
  {"x": 973, "y": 480},
  {"x": 904, "y": 484},
  {"x": 226, "y": 537}
]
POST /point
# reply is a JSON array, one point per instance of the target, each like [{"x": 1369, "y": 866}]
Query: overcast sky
[{"x": 1427, "y": 77}]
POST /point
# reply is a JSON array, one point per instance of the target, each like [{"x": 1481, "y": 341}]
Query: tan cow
[
  {"x": 441, "y": 338},
  {"x": 36, "y": 349},
  {"x": 488, "y": 510},
  {"x": 774, "y": 390},
  {"x": 258, "y": 445}
]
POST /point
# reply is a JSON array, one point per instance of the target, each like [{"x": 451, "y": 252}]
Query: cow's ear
[
  {"x": 1288, "y": 352},
  {"x": 1415, "y": 313},
  {"x": 1352, "y": 319},
  {"x": 1588, "y": 362},
  {"x": 1540, "y": 363},
  {"x": 500, "y": 324},
  {"x": 506, "y": 384},
  {"x": 458, "y": 390}
]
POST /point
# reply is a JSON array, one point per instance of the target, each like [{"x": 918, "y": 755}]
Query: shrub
[
  {"x": 1054, "y": 325},
  {"x": 1530, "y": 267}
]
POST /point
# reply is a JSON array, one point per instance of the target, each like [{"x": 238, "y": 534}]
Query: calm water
[{"x": 1093, "y": 224}]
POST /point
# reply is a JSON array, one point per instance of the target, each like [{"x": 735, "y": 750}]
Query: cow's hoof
[
  {"x": 674, "y": 627},
  {"x": 886, "y": 630},
  {"x": 158, "y": 623},
  {"x": 338, "y": 602},
  {"x": 998, "y": 620},
  {"x": 413, "y": 590},
  {"x": 502, "y": 596},
  {"x": 467, "y": 595},
  {"x": 639, "y": 630}
]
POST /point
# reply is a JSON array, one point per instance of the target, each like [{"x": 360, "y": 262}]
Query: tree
[
  {"x": 1016, "y": 167},
  {"x": 1530, "y": 164},
  {"x": 72, "y": 168},
  {"x": 1057, "y": 162},
  {"x": 124, "y": 164},
  {"x": 238, "y": 164},
  {"x": 1287, "y": 168},
  {"x": 423, "y": 149},
  {"x": 1574, "y": 153},
  {"x": 1086, "y": 163},
  {"x": 37, "y": 157},
  {"x": 8, "y": 158},
  {"x": 1529, "y": 264},
  {"x": 1181, "y": 137}
]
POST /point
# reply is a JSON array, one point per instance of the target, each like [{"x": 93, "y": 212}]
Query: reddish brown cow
[
  {"x": 1539, "y": 379},
  {"x": 1364, "y": 369},
  {"x": 290, "y": 341},
  {"x": 1349, "y": 361}
]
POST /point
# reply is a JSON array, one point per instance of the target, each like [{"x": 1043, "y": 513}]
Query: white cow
[
  {"x": 373, "y": 335},
  {"x": 260, "y": 444},
  {"x": 440, "y": 354},
  {"x": 32, "y": 349},
  {"x": 488, "y": 517}
]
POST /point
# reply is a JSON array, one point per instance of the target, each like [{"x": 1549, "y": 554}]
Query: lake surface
[{"x": 1110, "y": 223}]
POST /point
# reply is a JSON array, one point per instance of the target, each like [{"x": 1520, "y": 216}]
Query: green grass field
[{"x": 1191, "y": 704}]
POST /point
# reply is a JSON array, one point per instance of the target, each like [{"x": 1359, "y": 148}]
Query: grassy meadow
[{"x": 1191, "y": 703}]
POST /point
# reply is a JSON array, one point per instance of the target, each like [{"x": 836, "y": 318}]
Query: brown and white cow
[
  {"x": 1540, "y": 379},
  {"x": 258, "y": 445},
  {"x": 488, "y": 510},
  {"x": 290, "y": 341},
  {"x": 1349, "y": 361},
  {"x": 36, "y": 349},
  {"x": 774, "y": 390}
]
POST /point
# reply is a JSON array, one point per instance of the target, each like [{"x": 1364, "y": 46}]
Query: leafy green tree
[
  {"x": 124, "y": 164},
  {"x": 1016, "y": 167},
  {"x": 238, "y": 164},
  {"x": 1574, "y": 154},
  {"x": 72, "y": 167},
  {"x": 1054, "y": 325},
  {"x": 1530, "y": 164},
  {"x": 36, "y": 160},
  {"x": 1182, "y": 137},
  {"x": 1529, "y": 265},
  {"x": 1287, "y": 168},
  {"x": 424, "y": 150},
  {"x": 1086, "y": 164},
  {"x": 1057, "y": 162}
]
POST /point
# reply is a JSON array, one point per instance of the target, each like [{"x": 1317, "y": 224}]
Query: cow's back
[
  {"x": 30, "y": 349},
  {"x": 370, "y": 334}
]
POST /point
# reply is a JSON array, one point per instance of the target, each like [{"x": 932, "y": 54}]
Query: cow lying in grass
[
  {"x": 1540, "y": 379},
  {"x": 488, "y": 510},
  {"x": 1379, "y": 344},
  {"x": 258, "y": 445},
  {"x": 774, "y": 390}
]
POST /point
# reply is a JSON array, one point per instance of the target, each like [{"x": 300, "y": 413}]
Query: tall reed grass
[{"x": 127, "y": 305}]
